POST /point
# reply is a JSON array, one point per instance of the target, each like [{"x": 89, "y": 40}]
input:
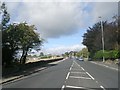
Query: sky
[{"x": 62, "y": 23}]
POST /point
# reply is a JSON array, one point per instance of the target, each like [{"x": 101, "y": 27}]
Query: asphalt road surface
[{"x": 70, "y": 73}]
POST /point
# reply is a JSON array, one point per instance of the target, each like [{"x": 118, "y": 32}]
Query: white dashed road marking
[
  {"x": 74, "y": 87},
  {"x": 70, "y": 68},
  {"x": 90, "y": 75},
  {"x": 102, "y": 87},
  {"x": 82, "y": 68},
  {"x": 63, "y": 87},
  {"x": 68, "y": 75},
  {"x": 79, "y": 77},
  {"x": 79, "y": 72}
]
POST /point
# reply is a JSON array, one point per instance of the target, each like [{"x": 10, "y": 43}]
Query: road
[{"x": 70, "y": 73}]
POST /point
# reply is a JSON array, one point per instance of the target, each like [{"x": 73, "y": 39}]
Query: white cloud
[
  {"x": 52, "y": 19},
  {"x": 104, "y": 9},
  {"x": 61, "y": 0},
  {"x": 55, "y": 19},
  {"x": 63, "y": 49}
]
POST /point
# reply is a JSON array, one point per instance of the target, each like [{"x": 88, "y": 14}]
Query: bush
[
  {"x": 98, "y": 54},
  {"x": 112, "y": 54}
]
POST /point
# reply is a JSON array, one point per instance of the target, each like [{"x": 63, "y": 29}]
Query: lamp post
[{"x": 103, "y": 45}]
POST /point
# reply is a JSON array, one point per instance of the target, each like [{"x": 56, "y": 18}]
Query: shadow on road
[{"x": 26, "y": 69}]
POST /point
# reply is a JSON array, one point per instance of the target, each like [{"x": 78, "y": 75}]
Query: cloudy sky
[{"x": 61, "y": 23}]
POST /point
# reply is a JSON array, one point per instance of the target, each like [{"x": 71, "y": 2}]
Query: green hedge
[{"x": 112, "y": 54}]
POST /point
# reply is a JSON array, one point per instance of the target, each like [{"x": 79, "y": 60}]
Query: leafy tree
[
  {"x": 83, "y": 53},
  {"x": 16, "y": 37},
  {"x": 21, "y": 37},
  {"x": 66, "y": 54},
  {"x": 92, "y": 39},
  {"x": 41, "y": 54},
  {"x": 26, "y": 38},
  {"x": 9, "y": 45}
]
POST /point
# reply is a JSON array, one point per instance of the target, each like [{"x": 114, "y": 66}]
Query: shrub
[
  {"x": 98, "y": 54},
  {"x": 112, "y": 54}
]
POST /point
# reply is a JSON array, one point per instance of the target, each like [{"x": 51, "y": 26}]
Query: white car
[{"x": 81, "y": 59}]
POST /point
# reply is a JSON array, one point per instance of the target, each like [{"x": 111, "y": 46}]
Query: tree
[
  {"x": 5, "y": 16},
  {"x": 41, "y": 54},
  {"x": 66, "y": 54},
  {"x": 83, "y": 53},
  {"x": 6, "y": 50},
  {"x": 92, "y": 39},
  {"x": 16, "y": 37},
  {"x": 21, "y": 37},
  {"x": 27, "y": 38},
  {"x": 9, "y": 45}
]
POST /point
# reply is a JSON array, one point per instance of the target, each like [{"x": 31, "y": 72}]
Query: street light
[{"x": 103, "y": 45}]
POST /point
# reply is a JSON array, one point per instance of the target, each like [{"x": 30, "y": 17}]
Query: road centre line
[
  {"x": 74, "y": 87},
  {"x": 68, "y": 75},
  {"x": 70, "y": 68},
  {"x": 72, "y": 65},
  {"x": 76, "y": 63},
  {"x": 83, "y": 68},
  {"x": 63, "y": 87},
  {"x": 90, "y": 75},
  {"x": 102, "y": 87},
  {"x": 79, "y": 77}
]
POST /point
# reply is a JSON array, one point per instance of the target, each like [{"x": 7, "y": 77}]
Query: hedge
[{"x": 111, "y": 54}]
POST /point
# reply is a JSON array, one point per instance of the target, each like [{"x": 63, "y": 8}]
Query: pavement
[{"x": 67, "y": 74}]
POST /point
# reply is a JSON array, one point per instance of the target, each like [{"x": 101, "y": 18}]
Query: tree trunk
[{"x": 23, "y": 57}]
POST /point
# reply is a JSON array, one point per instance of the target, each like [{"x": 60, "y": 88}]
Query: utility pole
[{"x": 103, "y": 45}]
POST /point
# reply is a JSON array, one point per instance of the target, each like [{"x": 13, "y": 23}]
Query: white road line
[
  {"x": 79, "y": 77},
  {"x": 72, "y": 65},
  {"x": 79, "y": 72},
  {"x": 102, "y": 87},
  {"x": 74, "y": 87},
  {"x": 76, "y": 63},
  {"x": 105, "y": 66},
  {"x": 90, "y": 75},
  {"x": 68, "y": 75},
  {"x": 83, "y": 68},
  {"x": 63, "y": 87},
  {"x": 70, "y": 68},
  {"x": 96, "y": 82}
]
